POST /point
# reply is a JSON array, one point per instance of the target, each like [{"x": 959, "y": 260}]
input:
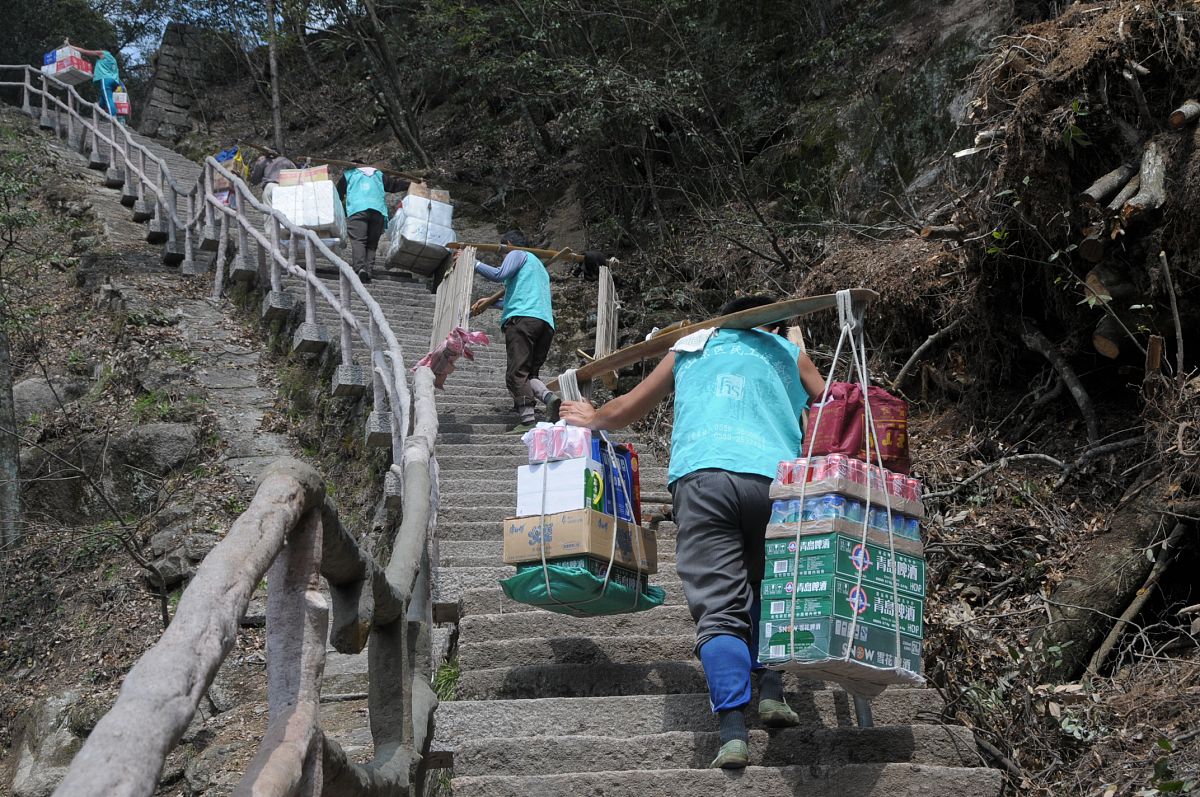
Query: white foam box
[
  {"x": 569, "y": 484},
  {"x": 417, "y": 245},
  {"x": 315, "y": 206},
  {"x": 439, "y": 213}
]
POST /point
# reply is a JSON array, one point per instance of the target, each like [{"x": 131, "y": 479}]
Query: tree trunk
[
  {"x": 273, "y": 59},
  {"x": 1107, "y": 570},
  {"x": 10, "y": 482},
  {"x": 1152, "y": 193}
]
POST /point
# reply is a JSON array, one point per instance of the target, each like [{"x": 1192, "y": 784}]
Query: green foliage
[
  {"x": 32, "y": 29},
  {"x": 152, "y": 406},
  {"x": 445, "y": 680}
]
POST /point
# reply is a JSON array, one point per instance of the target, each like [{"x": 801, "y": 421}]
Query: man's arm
[
  {"x": 341, "y": 187},
  {"x": 810, "y": 377},
  {"x": 84, "y": 50},
  {"x": 495, "y": 300},
  {"x": 624, "y": 410},
  {"x": 394, "y": 185},
  {"x": 511, "y": 264}
]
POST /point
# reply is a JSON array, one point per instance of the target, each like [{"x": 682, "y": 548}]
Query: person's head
[
  {"x": 748, "y": 303},
  {"x": 514, "y": 238}
]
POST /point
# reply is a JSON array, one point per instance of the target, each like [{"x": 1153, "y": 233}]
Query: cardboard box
[
  {"x": 829, "y": 638},
  {"x": 619, "y": 465},
  {"x": 849, "y": 528},
  {"x": 316, "y": 174},
  {"x": 846, "y": 556},
  {"x": 423, "y": 191},
  {"x": 842, "y": 598},
  {"x": 850, "y": 489},
  {"x": 568, "y": 484},
  {"x": 67, "y": 65},
  {"x": 581, "y": 532},
  {"x": 597, "y": 567}
]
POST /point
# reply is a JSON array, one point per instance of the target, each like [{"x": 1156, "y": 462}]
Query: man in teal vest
[
  {"x": 527, "y": 323},
  {"x": 363, "y": 190},
  {"x": 739, "y": 396},
  {"x": 106, "y": 76}
]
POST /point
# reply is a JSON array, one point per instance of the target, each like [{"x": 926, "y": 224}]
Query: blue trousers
[{"x": 106, "y": 87}]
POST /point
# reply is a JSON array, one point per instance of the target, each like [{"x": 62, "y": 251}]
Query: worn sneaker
[
  {"x": 553, "y": 406},
  {"x": 364, "y": 276},
  {"x": 777, "y": 714},
  {"x": 522, "y": 427},
  {"x": 734, "y": 754}
]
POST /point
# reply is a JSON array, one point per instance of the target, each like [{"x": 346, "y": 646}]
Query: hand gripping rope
[
  {"x": 569, "y": 386},
  {"x": 850, "y": 320}
]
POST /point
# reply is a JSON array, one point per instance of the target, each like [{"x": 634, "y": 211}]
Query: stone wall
[{"x": 180, "y": 72}]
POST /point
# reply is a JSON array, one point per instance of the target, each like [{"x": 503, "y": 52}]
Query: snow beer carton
[
  {"x": 824, "y": 638},
  {"x": 842, "y": 598},
  {"x": 845, "y": 556}
]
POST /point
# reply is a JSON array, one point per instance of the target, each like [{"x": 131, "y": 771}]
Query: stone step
[
  {"x": 491, "y": 530},
  {"x": 484, "y": 629},
  {"x": 639, "y": 715},
  {"x": 491, "y": 600},
  {"x": 940, "y": 745},
  {"x": 676, "y": 642},
  {"x": 531, "y": 681},
  {"x": 488, "y": 470},
  {"x": 492, "y": 549},
  {"x": 860, "y": 780},
  {"x": 453, "y": 583}
]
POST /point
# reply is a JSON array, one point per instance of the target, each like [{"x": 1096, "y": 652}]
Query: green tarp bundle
[{"x": 578, "y": 592}]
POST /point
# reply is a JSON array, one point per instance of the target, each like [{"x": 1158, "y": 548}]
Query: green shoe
[
  {"x": 522, "y": 428},
  {"x": 734, "y": 754},
  {"x": 777, "y": 714}
]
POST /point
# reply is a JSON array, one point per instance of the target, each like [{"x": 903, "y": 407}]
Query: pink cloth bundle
[
  {"x": 551, "y": 442},
  {"x": 457, "y": 344}
]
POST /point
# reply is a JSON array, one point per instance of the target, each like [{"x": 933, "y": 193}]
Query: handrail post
[
  {"x": 348, "y": 379},
  {"x": 276, "y": 305},
  {"x": 44, "y": 121},
  {"x": 71, "y": 120},
  {"x": 379, "y": 422},
  {"x": 189, "y": 262},
  {"x": 310, "y": 337},
  {"x": 94, "y": 157},
  {"x": 242, "y": 269},
  {"x": 27, "y": 93}
]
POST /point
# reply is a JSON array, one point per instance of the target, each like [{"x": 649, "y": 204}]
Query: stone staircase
[{"x": 548, "y": 704}]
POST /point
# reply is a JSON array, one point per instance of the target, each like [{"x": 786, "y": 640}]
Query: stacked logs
[{"x": 1127, "y": 198}]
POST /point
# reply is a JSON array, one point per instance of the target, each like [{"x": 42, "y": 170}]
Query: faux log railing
[{"x": 289, "y": 527}]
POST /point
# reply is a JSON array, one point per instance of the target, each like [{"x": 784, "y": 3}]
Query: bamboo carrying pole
[
  {"x": 334, "y": 162},
  {"x": 565, "y": 254}
]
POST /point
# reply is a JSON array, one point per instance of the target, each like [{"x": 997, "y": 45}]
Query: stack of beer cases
[
  {"x": 815, "y": 554},
  {"x": 566, "y": 499},
  {"x": 68, "y": 65}
]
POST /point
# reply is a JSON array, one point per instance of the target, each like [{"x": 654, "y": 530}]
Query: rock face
[
  {"x": 39, "y": 396},
  {"x": 180, "y": 72},
  {"x": 47, "y": 747},
  {"x": 158, "y": 448}
]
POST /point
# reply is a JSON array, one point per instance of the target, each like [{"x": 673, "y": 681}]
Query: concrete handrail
[{"x": 289, "y": 526}]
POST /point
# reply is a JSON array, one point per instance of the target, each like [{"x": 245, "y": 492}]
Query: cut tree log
[
  {"x": 952, "y": 231},
  {"x": 1106, "y": 339},
  {"x": 1188, "y": 112},
  {"x": 1092, "y": 247},
  {"x": 1154, "y": 354},
  {"x": 1107, "y": 282},
  {"x": 1152, "y": 192},
  {"x": 1109, "y": 183},
  {"x": 1139, "y": 96},
  {"x": 1126, "y": 193}
]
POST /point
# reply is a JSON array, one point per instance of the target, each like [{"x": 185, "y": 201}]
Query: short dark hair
[
  {"x": 745, "y": 303},
  {"x": 749, "y": 302},
  {"x": 514, "y": 238}
]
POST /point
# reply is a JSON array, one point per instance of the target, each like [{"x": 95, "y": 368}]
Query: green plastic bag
[{"x": 578, "y": 592}]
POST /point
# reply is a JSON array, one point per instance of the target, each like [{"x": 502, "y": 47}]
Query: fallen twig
[
  {"x": 1143, "y": 595},
  {"x": 930, "y": 341},
  {"x": 1000, "y": 463},
  {"x": 1162, "y": 258},
  {"x": 1096, "y": 451},
  {"x": 1035, "y": 340}
]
